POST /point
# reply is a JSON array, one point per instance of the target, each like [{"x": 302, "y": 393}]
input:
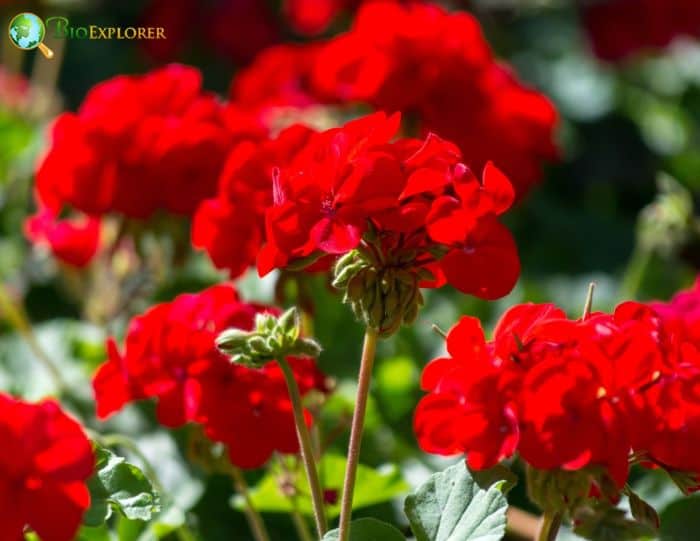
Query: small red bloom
[
  {"x": 74, "y": 241},
  {"x": 312, "y": 17},
  {"x": 170, "y": 355},
  {"x": 667, "y": 426},
  {"x": 466, "y": 411},
  {"x": 45, "y": 460}
]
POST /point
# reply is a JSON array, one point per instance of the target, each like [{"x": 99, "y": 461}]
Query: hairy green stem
[
  {"x": 358, "y": 421},
  {"x": 306, "y": 447},
  {"x": 255, "y": 521},
  {"x": 549, "y": 527}
]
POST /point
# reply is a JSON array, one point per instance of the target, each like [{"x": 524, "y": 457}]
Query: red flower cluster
[
  {"x": 620, "y": 28},
  {"x": 45, "y": 460},
  {"x": 415, "y": 198},
  {"x": 426, "y": 62},
  {"x": 669, "y": 412},
  {"x": 420, "y": 59},
  {"x": 140, "y": 144},
  {"x": 565, "y": 394},
  {"x": 170, "y": 355}
]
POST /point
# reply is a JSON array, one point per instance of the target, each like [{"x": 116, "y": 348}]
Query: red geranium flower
[
  {"x": 74, "y": 240},
  {"x": 170, "y": 355},
  {"x": 560, "y": 392},
  {"x": 45, "y": 460},
  {"x": 433, "y": 66},
  {"x": 668, "y": 410},
  {"x": 420, "y": 59},
  {"x": 410, "y": 196},
  {"x": 140, "y": 144},
  {"x": 230, "y": 227}
]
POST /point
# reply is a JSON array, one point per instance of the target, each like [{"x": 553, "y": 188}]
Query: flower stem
[
  {"x": 306, "y": 448},
  {"x": 257, "y": 526},
  {"x": 15, "y": 314},
  {"x": 588, "y": 307},
  {"x": 549, "y": 527},
  {"x": 637, "y": 268},
  {"x": 358, "y": 421},
  {"x": 301, "y": 527}
]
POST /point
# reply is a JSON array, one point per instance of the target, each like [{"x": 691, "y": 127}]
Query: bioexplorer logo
[{"x": 27, "y": 31}]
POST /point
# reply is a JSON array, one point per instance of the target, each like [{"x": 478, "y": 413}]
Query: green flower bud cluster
[
  {"x": 668, "y": 224},
  {"x": 272, "y": 338},
  {"x": 383, "y": 295}
]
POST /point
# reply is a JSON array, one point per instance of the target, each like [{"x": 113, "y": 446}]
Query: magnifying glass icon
[{"x": 27, "y": 32}]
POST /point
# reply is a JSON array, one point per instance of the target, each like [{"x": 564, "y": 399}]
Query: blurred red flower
[
  {"x": 45, "y": 460},
  {"x": 140, "y": 144},
  {"x": 73, "y": 240},
  {"x": 437, "y": 67},
  {"x": 620, "y": 28},
  {"x": 235, "y": 29},
  {"x": 169, "y": 354}
]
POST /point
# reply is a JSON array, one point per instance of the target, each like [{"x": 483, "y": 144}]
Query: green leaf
[
  {"x": 498, "y": 476},
  {"x": 680, "y": 521},
  {"x": 609, "y": 524},
  {"x": 641, "y": 511},
  {"x": 453, "y": 506},
  {"x": 119, "y": 486},
  {"x": 22, "y": 373},
  {"x": 368, "y": 529},
  {"x": 373, "y": 487}
]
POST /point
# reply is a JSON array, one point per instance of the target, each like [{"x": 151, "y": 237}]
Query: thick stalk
[
  {"x": 255, "y": 521},
  {"x": 549, "y": 527},
  {"x": 358, "y": 422},
  {"x": 521, "y": 525},
  {"x": 306, "y": 448}
]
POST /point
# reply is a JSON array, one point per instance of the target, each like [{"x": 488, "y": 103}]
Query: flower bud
[
  {"x": 668, "y": 225},
  {"x": 273, "y": 338},
  {"x": 382, "y": 294},
  {"x": 231, "y": 340}
]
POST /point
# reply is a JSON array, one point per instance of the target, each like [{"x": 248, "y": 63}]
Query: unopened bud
[{"x": 273, "y": 338}]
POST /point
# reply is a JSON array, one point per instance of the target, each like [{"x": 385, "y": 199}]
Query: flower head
[
  {"x": 140, "y": 144},
  {"x": 170, "y": 355},
  {"x": 557, "y": 391},
  {"x": 45, "y": 461},
  {"x": 401, "y": 214}
]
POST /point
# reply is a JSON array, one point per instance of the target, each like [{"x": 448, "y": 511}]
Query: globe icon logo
[{"x": 27, "y": 32}]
